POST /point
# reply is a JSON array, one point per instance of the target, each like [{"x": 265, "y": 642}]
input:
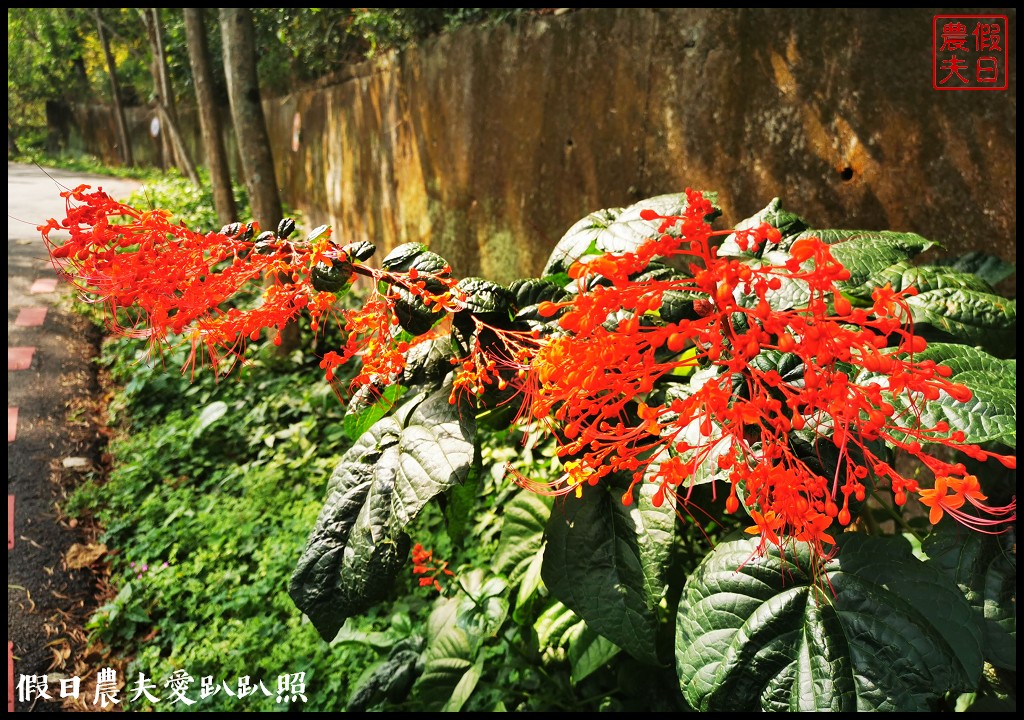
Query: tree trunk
[
  {"x": 165, "y": 96},
  {"x": 257, "y": 160},
  {"x": 238, "y": 37},
  {"x": 115, "y": 89},
  {"x": 209, "y": 118}
]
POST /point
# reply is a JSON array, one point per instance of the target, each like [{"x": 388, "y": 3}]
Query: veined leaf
[
  {"x": 449, "y": 656},
  {"x": 589, "y": 652},
  {"x": 529, "y": 294},
  {"x": 615, "y": 230},
  {"x": 380, "y": 485},
  {"x": 991, "y": 413},
  {"x": 414, "y": 255},
  {"x": 972, "y": 317},
  {"x": 903, "y": 275},
  {"x": 984, "y": 569},
  {"x": 522, "y": 534},
  {"x": 867, "y": 252},
  {"x": 367, "y": 406},
  {"x": 787, "y": 223},
  {"x": 485, "y": 297},
  {"x": 991, "y": 269},
  {"x": 874, "y": 629},
  {"x": 608, "y": 563}
]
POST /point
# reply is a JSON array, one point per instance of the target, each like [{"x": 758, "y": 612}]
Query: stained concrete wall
[{"x": 488, "y": 144}]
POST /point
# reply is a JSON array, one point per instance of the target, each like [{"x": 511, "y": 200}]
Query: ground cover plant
[{"x": 765, "y": 467}]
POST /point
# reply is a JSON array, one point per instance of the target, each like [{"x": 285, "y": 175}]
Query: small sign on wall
[{"x": 296, "y": 132}]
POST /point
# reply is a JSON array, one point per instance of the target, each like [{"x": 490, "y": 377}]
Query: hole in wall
[{"x": 846, "y": 174}]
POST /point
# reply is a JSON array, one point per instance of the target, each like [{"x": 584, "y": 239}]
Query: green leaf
[
  {"x": 580, "y": 240},
  {"x": 461, "y": 504},
  {"x": 991, "y": 413},
  {"x": 963, "y": 358},
  {"x": 615, "y": 230},
  {"x": 359, "y": 251},
  {"x": 428, "y": 362},
  {"x": 533, "y": 291},
  {"x": 971, "y": 317},
  {"x": 391, "y": 678},
  {"x": 380, "y": 485},
  {"x": 984, "y": 569},
  {"x": 414, "y": 255},
  {"x": 867, "y": 252},
  {"x": 331, "y": 278},
  {"x": 874, "y": 629},
  {"x": 529, "y": 294},
  {"x": 522, "y": 534},
  {"x": 465, "y": 687},
  {"x": 608, "y": 563},
  {"x": 485, "y": 297},
  {"x": 589, "y": 652},
  {"x": 530, "y": 584},
  {"x": 789, "y": 366},
  {"x": 787, "y": 223},
  {"x": 903, "y": 275},
  {"x": 449, "y": 655},
  {"x": 367, "y": 406},
  {"x": 210, "y": 414},
  {"x": 556, "y": 626},
  {"x": 484, "y": 606},
  {"x": 413, "y": 314},
  {"x": 993, "y": 270},
  {"x": 520, "y": 552},
  {"x": 676, "y": 305}
]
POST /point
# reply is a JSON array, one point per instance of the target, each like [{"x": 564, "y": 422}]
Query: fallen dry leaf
[{"x": 81, "y": 556}]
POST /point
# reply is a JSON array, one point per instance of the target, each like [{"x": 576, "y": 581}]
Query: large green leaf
[
  {"x": 903, "y": 275},
  {"x": 554, "y": 626},
  {"x": 391, "y": 678},
  {"x": 867, "y": 252},
  {"x": 368, "y": 405},
  {"x": 428, "y": 362},
  {"x": 380, "y": 485},
  {"x": 448, "y": 659},
  {"x": 522, "y": 534},
  {"x": 529, "y": 294},
  {"x": 991, "y": 413},
  {"x": 456, "y": 630},
  {"x": 991, "y": 269},
  {"x": 589, "y": 652},
  {"x": 970, "y": 316},
  {"x": 560, "y": 630},
  {"x": 986, "y": 572},
  {"x": 615, "y": 230},
  {"x": 608, "y": 563},
  {"x": 791, "y": 293},
  {"x": 483, "y": 297},
  {"x": 414, "y": 255},
  {"x": 874, "y": 629},
  {"x": 787, "y": 223},
  {"x": 580, "y": 240}
]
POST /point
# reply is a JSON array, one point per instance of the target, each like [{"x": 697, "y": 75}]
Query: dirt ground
[{"x": 55, "y": 569}]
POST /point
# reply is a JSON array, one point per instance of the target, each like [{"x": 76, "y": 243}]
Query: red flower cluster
[
  {"x": 779, "y": 385},
  {"x": 166, "y": 283},
  {"x": 740, "y": 412}
]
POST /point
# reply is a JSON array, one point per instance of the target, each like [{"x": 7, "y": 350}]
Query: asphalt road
[{"x": 55, "y": 418}]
